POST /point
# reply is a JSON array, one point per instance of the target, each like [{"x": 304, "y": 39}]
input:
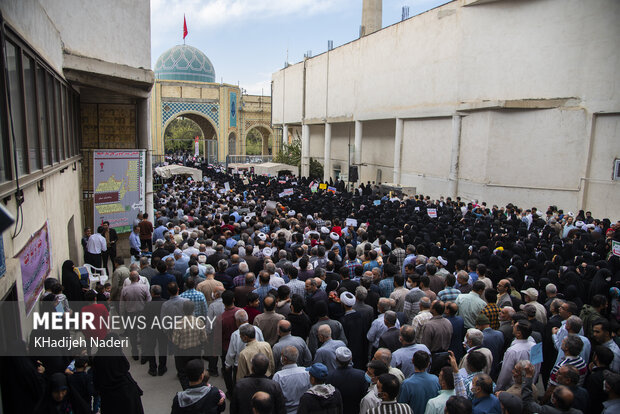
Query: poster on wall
[
  {"x": 119, "y": 187},
  {"x": 35, "y": 260}
]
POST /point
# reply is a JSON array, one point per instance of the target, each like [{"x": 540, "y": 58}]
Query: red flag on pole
[{"x": 184, "y": 28}]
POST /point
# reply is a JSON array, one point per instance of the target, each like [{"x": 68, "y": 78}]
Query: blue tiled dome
[{"x": 186, "y": 63}]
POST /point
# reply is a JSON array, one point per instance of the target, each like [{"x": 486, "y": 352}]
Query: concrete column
[
  {"x": 144, "y": 142},
  {"x": 398, "y": 145},
  {"x": 327, "y": 163},
  {"x": 453, "y": 177},
  {"x": 284, "y": 134},
  {"x": 358, "y": 145},
  {"x": 305, "y": 150}
]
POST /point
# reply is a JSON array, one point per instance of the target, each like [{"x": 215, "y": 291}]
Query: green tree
[
  {"x": 291, "y": 155},
  {"x": 254, "y": 143},
  {"x": 180, "y": 135}
]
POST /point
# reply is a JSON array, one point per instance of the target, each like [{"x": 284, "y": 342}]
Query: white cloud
[{"x": 202, "y": 15}]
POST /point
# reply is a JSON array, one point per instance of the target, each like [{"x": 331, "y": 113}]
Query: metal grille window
[{"x": 39, "y": 121}]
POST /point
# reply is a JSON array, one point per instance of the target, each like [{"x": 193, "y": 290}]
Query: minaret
[{"x": 371, "y": 17}]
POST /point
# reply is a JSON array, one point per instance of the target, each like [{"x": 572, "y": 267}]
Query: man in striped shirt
[
  {"x": 450, "y": 293},
  {"x": 387, "y": 389},
  {"x": 571, "y": 346}
]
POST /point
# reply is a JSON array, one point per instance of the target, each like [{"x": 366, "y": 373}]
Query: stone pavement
[{"x": 159, "y": 391}]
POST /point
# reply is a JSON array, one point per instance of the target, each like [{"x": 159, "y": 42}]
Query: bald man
[
  {"x": 287, "y": 339},
  {"x": 268, "y": 320},
  {"x": 326, "y": 354}
]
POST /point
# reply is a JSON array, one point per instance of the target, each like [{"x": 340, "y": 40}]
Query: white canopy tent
[
  {"x": 270, "y": 169},
  {"x": 168, "y": 171}
]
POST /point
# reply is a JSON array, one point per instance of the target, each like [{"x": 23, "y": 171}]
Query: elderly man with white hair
[
  {"x": 378, "y": 326},
  {"x": 236, "y": 344},
  {"x": 473, "y": 342}
]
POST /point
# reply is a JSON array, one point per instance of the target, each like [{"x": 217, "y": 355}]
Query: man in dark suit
[
  {"x": 349, "y": 381},
  {"x": 390, "y": 338},
  {"x": 241, "y": 401},
  {"x": 111, "y": 238},
  {"x": 316, "y": 295}
]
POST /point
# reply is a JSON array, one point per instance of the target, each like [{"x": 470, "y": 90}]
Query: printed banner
[
  {"x": 119, "y": 187},
  {"x": 615, "y": 248},
  {"x": 35, "y": 260},
  {"x": 432, "y": 212}
]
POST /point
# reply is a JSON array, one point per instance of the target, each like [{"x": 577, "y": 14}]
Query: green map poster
[{"x": 119, "y": 187}]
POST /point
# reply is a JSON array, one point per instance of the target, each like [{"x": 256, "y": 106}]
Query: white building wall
[
  {"x": 120, "y": 29},
  {"x": 529, "y": 79}
]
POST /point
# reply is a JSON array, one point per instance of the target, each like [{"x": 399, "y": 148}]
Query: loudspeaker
[{"x": 353, "y": 177}]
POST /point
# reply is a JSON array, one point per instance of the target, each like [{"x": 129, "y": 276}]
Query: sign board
[
  {"x": 322, "y": 186},
  {"x": 432, "y": 212},
  {"x": 331, "y": 189},
  {"x": 350, "y": 222},
  {"x": 271, "y": 206},
  {"x": 35, "y": 260},
  {"x": 536, "y": 354},
  {"x": 377, "y": 202},
  {"x": 196, "y": 147},
  {"x": 118, "y": 187},
  {"x": 288, "y": 191},
  {"x": 615, "y": 248},
  {"x": 227, "y": 186}
]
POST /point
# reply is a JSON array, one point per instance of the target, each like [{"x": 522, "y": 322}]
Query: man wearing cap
[
  {"x": 326, "y": 354},
  {"x": 351, "y": 382},
  {"x": 353, "y": 326},
  {"x": 530, "y": 295},
  {"x": 441, "y": 264},
  {"x": 471, "y": 304},
  {"x": 492, "y": 340},
  {"x": 321, "y": 397}
]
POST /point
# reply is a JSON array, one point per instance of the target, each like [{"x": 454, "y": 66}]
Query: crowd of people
[{"x": 337, "y": 301}]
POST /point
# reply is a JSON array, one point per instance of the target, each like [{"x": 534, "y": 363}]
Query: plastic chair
[{"x": 96, "y": 274}]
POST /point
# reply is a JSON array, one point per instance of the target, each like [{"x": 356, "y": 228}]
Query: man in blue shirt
[
  {"x": 484, "y": 401},
  {"x": 421, "y": 386},
  {"x": 134, "y": 243},
  {"x": 162, "y": 279}
]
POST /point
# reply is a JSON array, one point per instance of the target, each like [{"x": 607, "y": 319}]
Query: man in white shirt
[{"x": 95, "y": 245}]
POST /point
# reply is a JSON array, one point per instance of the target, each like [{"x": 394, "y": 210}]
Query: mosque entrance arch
[
  {"x": 259, "y": 140},
  {"x": 181, "y": 131}
]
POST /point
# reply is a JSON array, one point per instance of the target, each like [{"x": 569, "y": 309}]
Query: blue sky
[{"x": 247, "y": 40}]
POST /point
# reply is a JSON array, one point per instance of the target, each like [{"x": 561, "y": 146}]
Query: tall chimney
[{"x": 371, "y": 17}]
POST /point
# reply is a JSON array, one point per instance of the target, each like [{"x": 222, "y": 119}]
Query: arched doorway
[
  {"x": 232, "y": 144},
  {"x": 259, "y": 141},
  {"x": 180, "y": 133}
]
